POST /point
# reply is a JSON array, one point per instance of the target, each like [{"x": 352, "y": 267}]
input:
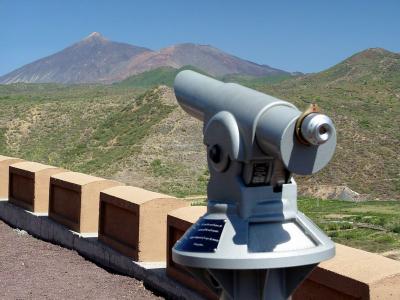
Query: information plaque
[{"x": 202, "y": 237}]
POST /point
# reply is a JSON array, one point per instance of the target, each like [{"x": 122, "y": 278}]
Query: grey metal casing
[
  {"x": 262, "y": 120},
  {"x": 264, "y": 236}
]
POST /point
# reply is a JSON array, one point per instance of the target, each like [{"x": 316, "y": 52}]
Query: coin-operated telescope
[{"x": 253, "y": 243}]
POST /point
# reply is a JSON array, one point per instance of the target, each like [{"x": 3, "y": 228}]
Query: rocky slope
[
  {"x": 204, "y": 57},
  {"x": 91, "y": 60}
]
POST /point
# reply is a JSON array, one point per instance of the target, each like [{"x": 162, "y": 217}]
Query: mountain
[
  {"x": 91, "y": 60},
  {"x": 204, "y": 57},
  {"x": 369, "y": 65},
  {"x": 98, "y": 60}
]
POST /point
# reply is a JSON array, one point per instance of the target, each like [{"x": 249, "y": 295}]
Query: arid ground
[{"x": 33, "y": 269}]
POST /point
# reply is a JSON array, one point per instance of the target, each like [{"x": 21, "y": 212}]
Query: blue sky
[{"x": 306, "y": 36}]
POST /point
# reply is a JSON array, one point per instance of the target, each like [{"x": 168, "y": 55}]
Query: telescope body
[
  {"x": 253, "y": 243},
  {"x": 263, "y": 121}
]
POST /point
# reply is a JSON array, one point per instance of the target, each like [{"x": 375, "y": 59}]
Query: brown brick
[
  {"x": 29, "y": 185},
  {"x": 74, "y": 200},
  {"x": 5, "y": 163},
  {"x": 133, "y": 221},
  {"x": 352, "y": 274},
  {"x": 178, "y": 222}
]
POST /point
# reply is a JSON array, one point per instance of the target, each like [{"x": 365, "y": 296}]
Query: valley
[{"x": 132, "y": 130}]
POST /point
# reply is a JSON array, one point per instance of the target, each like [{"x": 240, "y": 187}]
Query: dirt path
[{"x": 33, "y": 269}]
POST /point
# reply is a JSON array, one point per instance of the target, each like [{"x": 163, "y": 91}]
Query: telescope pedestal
[
  {"x": 273, "y": 284},
  {"x": 259, "y": 257}
]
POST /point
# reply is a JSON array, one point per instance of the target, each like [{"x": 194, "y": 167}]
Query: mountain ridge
[
  {"x": 204, "y": 57},
  {"x": 378, "y": 62},
  {"x": 95, "y": 59}
]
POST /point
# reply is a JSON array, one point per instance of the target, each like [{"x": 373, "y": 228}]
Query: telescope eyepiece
[{"x": 317, "y": 129}]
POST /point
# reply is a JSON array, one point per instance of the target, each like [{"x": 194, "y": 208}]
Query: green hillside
[
  {"x": 135, "y": 132},
  {"x": 143, "y": 138},
  {"x": 362, "y": 94},
  {"x": 372, "y": 225},
  {"x": 166, "y": 76},
  {"x": 256, "y": 82},
  {"x": 153, "y": 78}
]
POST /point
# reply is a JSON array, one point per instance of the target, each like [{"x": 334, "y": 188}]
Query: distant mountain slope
[
  {"x": 204, "y": 57},
  {"x": 98, "y": 60},
  {"x": 93, "y": 59},
  {"x": 362, "y": 94},
  {"x": 149, "y": 141},
  {"x": 166, "y": 76},
  {"x": 154, "y": 77},
  {"x": 370, "y": 65}
]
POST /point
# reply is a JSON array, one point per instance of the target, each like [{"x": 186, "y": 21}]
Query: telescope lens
[
  {"x": 316, "y": 128},
  {"x": 322, "y": 130},
  {"x": 215, "y": 154}
]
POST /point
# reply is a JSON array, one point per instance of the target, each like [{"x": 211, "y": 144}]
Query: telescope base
[
  {"x": 220, "y": 241},
  {"x": 272, "y": 284},
  {"x": 242, "y": 259}
]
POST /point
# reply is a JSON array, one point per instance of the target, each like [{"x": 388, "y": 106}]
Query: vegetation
[
  {"x": 362, "y": 94},
  {"x": 256, "y": 82},
  {"x": 84, "y": 128},
  {"x": 100, "y": 130},
  {"x": 166, "y": 76},
  {"x": 372, "y": 225},
  {"x": 154, "y": 78},
  {"x": 134, "y": 132}
]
